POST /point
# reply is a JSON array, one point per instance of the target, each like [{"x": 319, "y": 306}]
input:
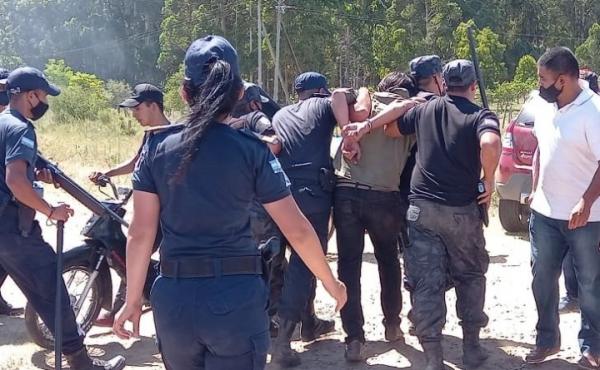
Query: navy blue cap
[
  {"x": 27, "y": 79},
  {"x": 310, "y": 81},
  {"x": 459, "y": 73},
  {"x": 207, "y": 50},
  {"x": 3, "y": 95},
  {"x": 143, "y": 93},
  {"x": 253, "y": 93},
  {"x": 425, "y": 66}
]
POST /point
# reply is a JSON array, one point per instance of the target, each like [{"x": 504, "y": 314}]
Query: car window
[{"x": 527, "y": 114}]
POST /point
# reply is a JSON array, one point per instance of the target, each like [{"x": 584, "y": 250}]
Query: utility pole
[
  {"x": 259, "y": 41},
  {"x": 280, "y": 9}
]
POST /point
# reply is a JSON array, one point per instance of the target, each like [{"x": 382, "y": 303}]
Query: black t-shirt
[
  {"x": 305, "y": 130},
  {"x": 18, "y": 141},
  {"x": 448, "y": 166},
  {"x": 207, "y": 212}
]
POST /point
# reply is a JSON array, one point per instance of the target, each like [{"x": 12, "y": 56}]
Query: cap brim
[
  {"x": 326, "y": 91},
  {"x": 129, "y": 103},
  {"x": 53, "y": 90}
]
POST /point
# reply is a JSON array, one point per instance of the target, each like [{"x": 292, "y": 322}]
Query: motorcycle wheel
[{"x": 76, "y": 274}]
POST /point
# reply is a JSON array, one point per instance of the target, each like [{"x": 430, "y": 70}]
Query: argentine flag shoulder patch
[{"x": 27, "y": 142}]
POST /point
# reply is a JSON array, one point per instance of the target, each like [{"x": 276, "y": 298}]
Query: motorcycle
[{"x": 87, "y": 267}]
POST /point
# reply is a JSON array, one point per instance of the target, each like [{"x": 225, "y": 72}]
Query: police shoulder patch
[
  {"x": 276, "y": 166},
  {"x": 27, "y": 142}
]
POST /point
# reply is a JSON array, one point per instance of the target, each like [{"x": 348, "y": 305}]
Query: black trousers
[
  {"x": 379, "y": 213},
  {"x": 31, "y": 263}
]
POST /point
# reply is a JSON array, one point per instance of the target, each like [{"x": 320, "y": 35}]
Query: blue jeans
[
  {"x": 569, "y": 275},
  {"x": 550, "y": 241},
  {"x": 218, "y": 323}
]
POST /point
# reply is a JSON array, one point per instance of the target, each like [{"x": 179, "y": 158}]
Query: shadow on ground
[
  {"x": 329, "y": 354},
  {"x": 143, "y": 353}
]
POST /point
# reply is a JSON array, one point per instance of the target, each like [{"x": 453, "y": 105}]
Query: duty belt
[
  {"x": 343, "y": 183},
  {"x": 205, "y": 267}
]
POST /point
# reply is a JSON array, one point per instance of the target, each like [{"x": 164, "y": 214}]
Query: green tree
[
  {"x": 587, "y": 52},
  {"x": 489, "y": 49},
  {"x": 526, "y": 71}
]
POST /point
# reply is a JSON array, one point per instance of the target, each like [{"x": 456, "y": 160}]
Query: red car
[{"x": 513, "y": 177}]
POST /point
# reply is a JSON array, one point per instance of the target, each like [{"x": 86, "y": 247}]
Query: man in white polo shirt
[{"x": 565, "y": 214}]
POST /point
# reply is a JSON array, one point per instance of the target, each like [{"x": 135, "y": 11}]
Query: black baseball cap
[
  {"x": 204, "y": 51},
  {"x": 459, "y": 73},
  {"x": 425, "y": 66},
  {"x": 253, "y": 93},
  {"x": 27, "y": 79},
  {"x": 143, "y": 93},
  {"x": 310, "y": 81}
]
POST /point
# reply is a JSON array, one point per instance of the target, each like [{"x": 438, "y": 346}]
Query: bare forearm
[
  {"x": 139, "y": 250},
  {"x": 22, "y": 189},
  {"x": 123, "y": 168},
  {"x": 535, "y": 170},
  {"x": 390, "y": 114},
  {"x": 490, "y": 155},
  {"x": 340, "y": 108},
  {"x": 361, "y": 110},
  {"x": 306, "y": 243}
]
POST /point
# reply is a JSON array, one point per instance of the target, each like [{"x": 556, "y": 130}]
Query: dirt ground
[{"x": 509, "y": 335}]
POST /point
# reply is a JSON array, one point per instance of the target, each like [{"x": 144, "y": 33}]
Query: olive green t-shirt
[{"x": 382, "y": 157}]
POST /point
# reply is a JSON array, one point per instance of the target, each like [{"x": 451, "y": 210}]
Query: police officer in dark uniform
[
  {"x": 210, "y": 300},
  {"x": 5, "y": 307},
  {"x": 427, "y": 72},
  {"x": 248, "y": 115},
  {"x": 305, "y": 130},
  {"x": 24, "y": 254},
  {"x": 457, "y": 140}
]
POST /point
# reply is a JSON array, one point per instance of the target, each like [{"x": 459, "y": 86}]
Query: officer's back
[
  {"x": 448, "y": 166},
  {"x": 231, "y": 166},
  {"x": 306, "y": 128}
]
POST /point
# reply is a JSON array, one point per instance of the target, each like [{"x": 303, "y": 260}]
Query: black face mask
[
  {"x": 550, "y": 94},
  {"x": 39, "y": 110}
]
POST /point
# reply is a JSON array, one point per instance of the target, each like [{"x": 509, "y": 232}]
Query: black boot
[
  {"x": 315, "y": 327},
  {"x": 473, "y": 354},
  {"x": 81, "y": 361},
  {"x": 434, "y": 355},
  {"x": 282, "y": 352},
  {"x": 311, "y": 327}
]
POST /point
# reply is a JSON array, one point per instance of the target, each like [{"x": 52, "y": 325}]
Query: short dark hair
[
  {"x": 160, "y": 105},
  {"x": 560, "y": 60},
  {"x": 398, "y": 80},
  {"x": 458, "y": 89}
]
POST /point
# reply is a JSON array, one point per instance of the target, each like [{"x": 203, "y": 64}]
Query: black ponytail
[{"x": 217, "y": 96}]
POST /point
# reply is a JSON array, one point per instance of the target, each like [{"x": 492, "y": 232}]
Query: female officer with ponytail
[{"x": 210, "y": 300}]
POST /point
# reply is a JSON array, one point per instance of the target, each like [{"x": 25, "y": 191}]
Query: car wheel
[{"x": 514, "y": 216}]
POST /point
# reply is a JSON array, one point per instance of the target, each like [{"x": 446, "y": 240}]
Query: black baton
[{"x": 60, "y": 228}]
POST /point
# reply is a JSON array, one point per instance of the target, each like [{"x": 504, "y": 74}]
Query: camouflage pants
[{"x": 445, "y": 240}]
